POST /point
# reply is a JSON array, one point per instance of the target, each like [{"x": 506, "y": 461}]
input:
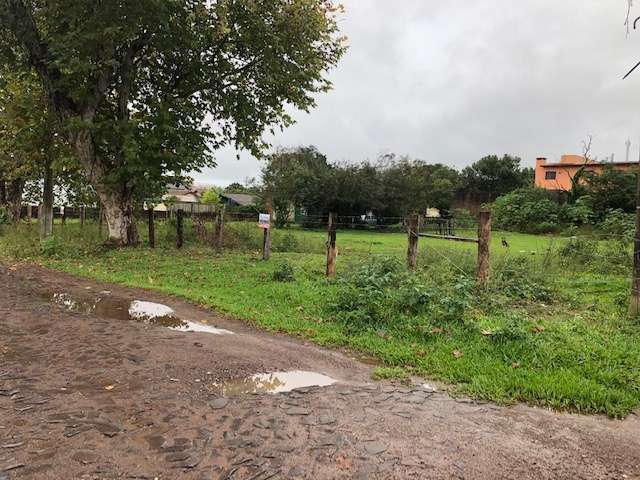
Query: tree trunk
[
  {"x": 46, "y": 217},
  {"x": 3, "y": 193},
  {"x": 118, "y": 213},
  {"x": 14, "y": 198}
]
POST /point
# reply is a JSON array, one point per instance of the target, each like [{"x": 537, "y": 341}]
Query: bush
[
  {"x": 286, "y": 243},
  {"x": 50, "y": 247},
  {"x": 283, "y": 273},
  {"x": 530, "y": 210},
  {"x": 518, "y": 279},
  {"x": 618, "y": 223},
  {"x": 579, "y": 213},
  {"x": 383, "y": 293},
  {"x": 595, "y": 256},
  {"x": 4, "y": 216}
]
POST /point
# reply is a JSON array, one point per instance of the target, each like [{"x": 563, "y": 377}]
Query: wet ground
[{"x": 103, "y": 382}]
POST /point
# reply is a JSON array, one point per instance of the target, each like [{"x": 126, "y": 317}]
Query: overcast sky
[{"x": 452, "y": 80}]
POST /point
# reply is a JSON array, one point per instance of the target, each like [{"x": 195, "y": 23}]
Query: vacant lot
[{"x": 550, "y": 330}]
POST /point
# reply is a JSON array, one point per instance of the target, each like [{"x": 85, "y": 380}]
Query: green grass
[{"x": 550, "y": 331}]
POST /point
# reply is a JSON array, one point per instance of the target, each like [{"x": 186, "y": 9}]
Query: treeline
[{"x": 388, "y": 187}]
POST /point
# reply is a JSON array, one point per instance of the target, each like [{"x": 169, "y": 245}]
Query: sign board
[{"x": 264, "y": 220}]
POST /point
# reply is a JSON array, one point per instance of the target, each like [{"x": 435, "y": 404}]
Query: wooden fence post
[
  {"x": 152, "y": 228},
  {"x": 82, "y": 215},
  {"x": 266, "y": 244},
  {"x": 484, "y": 243},
  {"x": 29, "y": 214},
  {"x": 219, "y": 230},
  {"x": 331, "y": 245},
  {"x": 63, "y": 221},
  {"x": 179, "y": 229},
  {"x": 412, "y": 250}
]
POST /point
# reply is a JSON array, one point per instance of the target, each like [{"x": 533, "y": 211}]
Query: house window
[{"x": 550, "y": 175}]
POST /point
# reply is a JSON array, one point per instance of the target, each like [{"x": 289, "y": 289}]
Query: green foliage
[
  {"x": 618, "y": 223},
  {"x": 4, "y": 216},
  {"x": 597, "y": 256},
  {"x": 284, "y": 273},
  {"x": 390, "y": 373},
  {"x": 526, "y": 210},
  {"x": 50, "y": 247},
  {"x": 296, "y": 177},
  {"x": 495, "y": 176},
  {"x": 574, "y": 350},
  {"x": 464, "y": 218},
  {"x": 578, "y": 213},
  {"x": 211, "y": 196},
  {"x": 410, "y": 186},
  {"x": 381, "y": 293},
  {"x": 140, "y": 84},
  {"x": 517, "y": 278},
  {"x": 611, "y": 189}
]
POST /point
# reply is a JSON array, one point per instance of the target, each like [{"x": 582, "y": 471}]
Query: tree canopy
[
  {"x": 147, "y": 90},
  {"x": 495, "y": 176}
]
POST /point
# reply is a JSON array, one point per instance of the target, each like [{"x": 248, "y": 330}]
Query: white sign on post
[{"x": 264, "y": 220}]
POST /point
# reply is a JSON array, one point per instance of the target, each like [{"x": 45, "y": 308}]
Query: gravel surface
[{"x": 86, "y": 393}]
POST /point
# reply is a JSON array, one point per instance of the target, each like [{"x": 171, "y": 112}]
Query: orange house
[{"x": 557, "y": 176}]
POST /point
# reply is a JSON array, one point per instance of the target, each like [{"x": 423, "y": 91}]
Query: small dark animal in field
[{"x": 504, "y": 242}]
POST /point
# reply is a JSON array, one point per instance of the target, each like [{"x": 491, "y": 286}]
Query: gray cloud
[{"x": 451, "y": 81}]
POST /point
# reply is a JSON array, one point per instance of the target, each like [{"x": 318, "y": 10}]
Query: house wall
[{"x": 566, "y": 170}]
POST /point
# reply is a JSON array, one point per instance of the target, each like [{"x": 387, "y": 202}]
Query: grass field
[{"x": 551, "y": 329}]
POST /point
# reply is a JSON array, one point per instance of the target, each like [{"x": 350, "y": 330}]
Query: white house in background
[{"x": 182, "y": 195}]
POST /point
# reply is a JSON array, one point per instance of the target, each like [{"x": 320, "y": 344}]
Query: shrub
[
  {"x": 592, "y": 255},
  {"x": 284, "y": 273},
  {"x": 579, "y": 213},
  {"x": 4, "y": 216},
  {"x": 617, "y": 222},
  {"x": 529, "y": 210},
  {"x": 382, "y": 292},
  {"x": 286, "y": 243},
  {"x": 50, "y": 247},
  {"x": 517, "y": 278}
]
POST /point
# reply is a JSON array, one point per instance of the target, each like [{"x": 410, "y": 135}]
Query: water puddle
[
  {"x": 275, "y": 382},
  {"x": 106, "y": 305}
]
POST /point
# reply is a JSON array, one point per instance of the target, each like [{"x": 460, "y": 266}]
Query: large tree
[
  {"x": 295, "y": 177},
  {"x": 29, "y": 147},
  {"x": 412, "y": 186},
  {"x": 494, "y": 176},
  {"x": 149, "y": 89}
]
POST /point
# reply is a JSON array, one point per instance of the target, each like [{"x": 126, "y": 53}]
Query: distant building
[
  {"x": 239, "y": 199},
  {"x": 557, "y": 176},
  {"x": 180, "y": 197}
]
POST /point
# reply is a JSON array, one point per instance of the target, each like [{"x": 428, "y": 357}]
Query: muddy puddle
[
  {"x": 274, "y": 382},
  {"x": 106, "y": 305}
]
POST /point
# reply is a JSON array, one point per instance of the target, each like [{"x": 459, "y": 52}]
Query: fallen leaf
[
  {"x": 457, "y": 353},
  {"x": 538, "y": 329},
  {"x": 515, "y": 365},
  {"x": 486, "y": 333},
  {"x": 109, "y": 387},
  {"x": 436, "y": 330}
]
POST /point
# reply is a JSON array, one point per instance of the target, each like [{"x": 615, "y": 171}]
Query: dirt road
[{"x": 89, "y": 390}]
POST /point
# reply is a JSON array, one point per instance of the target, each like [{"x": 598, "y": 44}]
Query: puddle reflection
[
  {"x": 275, "y": 382},
  {"x": 105, "y": 305}
]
